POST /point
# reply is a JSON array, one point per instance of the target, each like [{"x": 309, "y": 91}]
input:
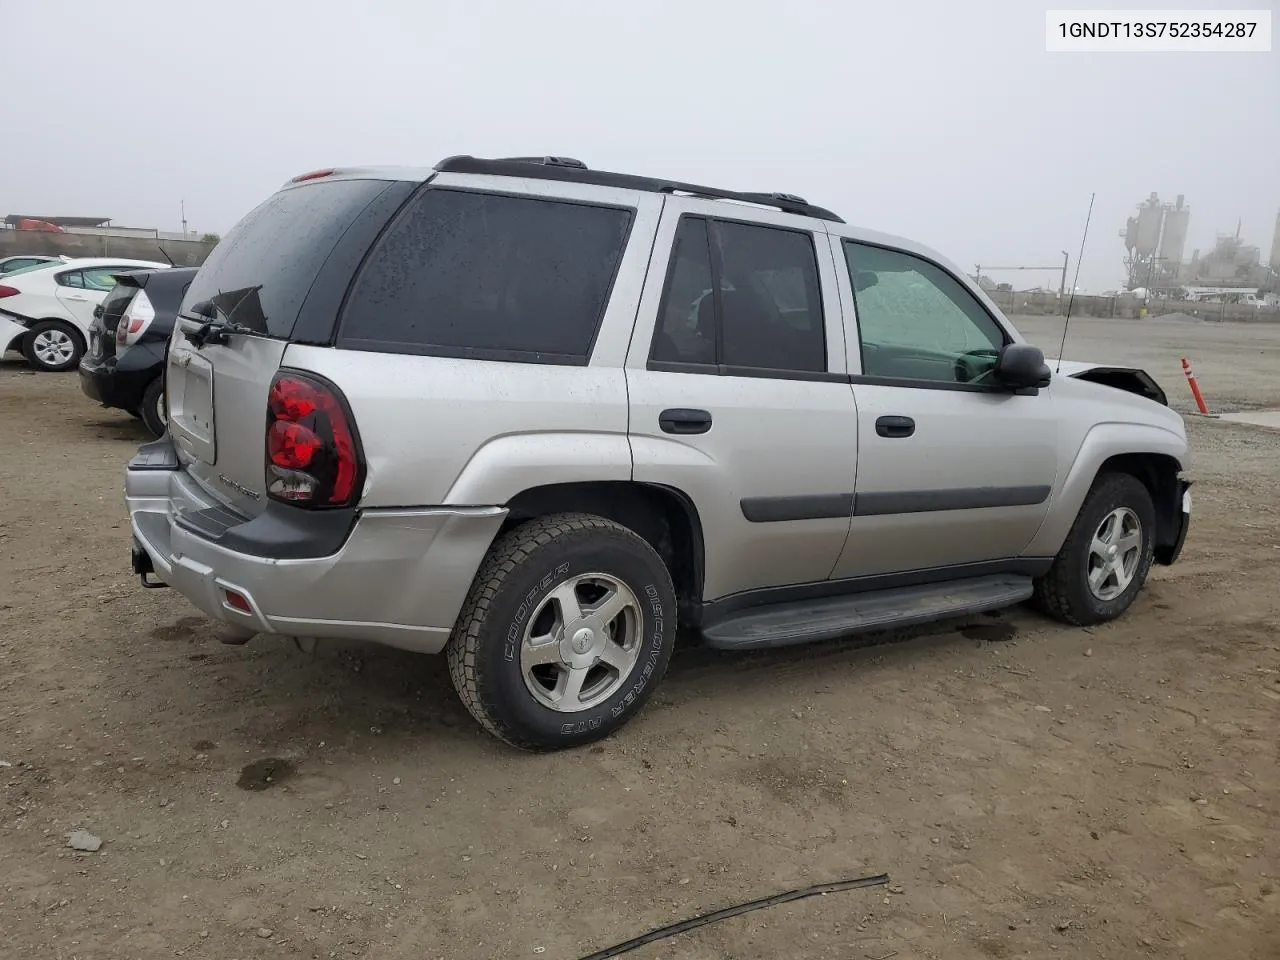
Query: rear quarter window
[{"x": 488, "y": 276}]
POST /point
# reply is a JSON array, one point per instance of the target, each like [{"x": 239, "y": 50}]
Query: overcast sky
[{"x": 944, "y": 121}]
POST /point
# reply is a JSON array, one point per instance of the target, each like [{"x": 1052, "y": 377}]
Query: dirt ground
[{"x": 1032, "y": 790}]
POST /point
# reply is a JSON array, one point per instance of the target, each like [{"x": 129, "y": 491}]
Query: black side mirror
[{"x": 1021, "y": 366}]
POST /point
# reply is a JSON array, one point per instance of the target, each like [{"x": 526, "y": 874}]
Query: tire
[
  {"x": 1118, "y": 507},
  {"x": 152, "y": 409},
  {"x": 53, "y": 346},
  {"x": 509, "y": 682}
]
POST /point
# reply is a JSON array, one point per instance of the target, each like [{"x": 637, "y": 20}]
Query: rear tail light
[
  {"x": 137, "y": 317},
  {"x": 313, "y": 453},
  {"x": 6, "y": 291}
]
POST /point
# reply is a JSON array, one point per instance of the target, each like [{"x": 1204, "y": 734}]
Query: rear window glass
[
  {"x": 260, "y": 272},
  {"x": 465, "y": 274},
  {"x": 114, "y": 305}
]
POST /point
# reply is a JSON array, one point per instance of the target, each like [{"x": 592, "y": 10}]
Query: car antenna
[
  {"x": 165, "y": 254},
  {"x": 1072, "y": 299}
]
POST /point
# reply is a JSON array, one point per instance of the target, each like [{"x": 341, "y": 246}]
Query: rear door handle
[
  {"x": 895, "y": 427},
  {"x": 79, "y": 299},
  {"x": 679, "y": 420}
]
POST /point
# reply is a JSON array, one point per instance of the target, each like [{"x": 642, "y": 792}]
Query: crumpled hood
[{"x": 1132, "y": 379}]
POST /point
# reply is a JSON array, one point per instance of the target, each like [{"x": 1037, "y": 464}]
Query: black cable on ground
[{"x": 693, "y": 923}]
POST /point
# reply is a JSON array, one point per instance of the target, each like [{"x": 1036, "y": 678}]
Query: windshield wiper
[{"x": 218, "y": 325}]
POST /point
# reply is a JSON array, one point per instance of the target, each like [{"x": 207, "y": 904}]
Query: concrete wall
[
  {"x": 1125, "y": 307},
  {"x": 184, "y": 253},
  {"x": 1216, "y": 312}
]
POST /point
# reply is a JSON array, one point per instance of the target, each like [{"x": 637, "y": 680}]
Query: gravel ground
[{"x": 1032, "y": 790}]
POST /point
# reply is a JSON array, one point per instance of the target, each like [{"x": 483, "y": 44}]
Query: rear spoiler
[{"x": 139, "y": 277}]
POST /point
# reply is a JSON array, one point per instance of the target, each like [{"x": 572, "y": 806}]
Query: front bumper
[
  {"x": 399, "y": 578},
  {"x": 1169, "y": 554}
]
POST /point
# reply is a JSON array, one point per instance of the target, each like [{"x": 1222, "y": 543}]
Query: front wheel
[
  {"x": 1106, "y": 557},
  {"x": 566, "y": 631},
  {"x": 53, "y": 346}
]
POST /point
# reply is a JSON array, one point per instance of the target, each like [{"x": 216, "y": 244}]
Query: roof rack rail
[
  {"x": 575, "y": 171},
  {"x": 550, "y": 161}
]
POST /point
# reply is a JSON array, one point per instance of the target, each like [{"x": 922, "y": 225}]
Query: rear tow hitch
[{"x": 141, "y": 562}]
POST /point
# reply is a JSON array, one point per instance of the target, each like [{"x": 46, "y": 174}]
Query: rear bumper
[
  {"x": 399, "y": 578},
  {"x": 11, "y": 334},
  {"x": 119, "y": 382}
]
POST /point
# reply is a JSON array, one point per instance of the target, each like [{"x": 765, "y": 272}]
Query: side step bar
[{"x": 807, "y": 621}]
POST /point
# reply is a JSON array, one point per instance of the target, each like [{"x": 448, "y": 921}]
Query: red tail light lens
[
  {"x": 137, "y": 317},
  {"x": 6, "y": 291},
  {"x": 313, "y": 453}
]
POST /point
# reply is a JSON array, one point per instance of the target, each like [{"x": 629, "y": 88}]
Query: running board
[{"x": 806, "y": 621}]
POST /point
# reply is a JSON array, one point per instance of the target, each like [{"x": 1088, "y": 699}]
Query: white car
[{"x": 46, "y": 312}]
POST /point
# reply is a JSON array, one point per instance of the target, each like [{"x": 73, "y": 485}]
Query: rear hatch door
[
  {"x": 102, "y": 332},
  {"x": 280, "y": 274}
]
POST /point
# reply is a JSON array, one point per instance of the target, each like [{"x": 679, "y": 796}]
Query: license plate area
[{"x": 190, "y": 398}]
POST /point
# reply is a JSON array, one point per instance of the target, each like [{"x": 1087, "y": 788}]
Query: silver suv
[{"x": 537, "y": 416}]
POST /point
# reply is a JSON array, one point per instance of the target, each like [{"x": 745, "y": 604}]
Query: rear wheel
[
  {"x": 1106, "y": 557},
  {"x": 53, "y": 346},
  {"x": 566, "y": 631},
  {"x": 152, "y": 410}
]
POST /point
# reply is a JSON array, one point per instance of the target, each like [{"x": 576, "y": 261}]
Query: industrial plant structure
[{"x": 1155, "y": 241}]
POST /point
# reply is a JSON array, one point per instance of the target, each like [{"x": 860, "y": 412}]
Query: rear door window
[
  {"x": 743, "y": 297},
  {"x": 260, "y": 272},
  {"x": 770, "y": 298},
  {"x": 488, "y": 276},
  {"x": 102, "y": 279}
]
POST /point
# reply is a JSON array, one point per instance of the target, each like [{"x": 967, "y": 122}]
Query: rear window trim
[{"x": 342, "y": 342}]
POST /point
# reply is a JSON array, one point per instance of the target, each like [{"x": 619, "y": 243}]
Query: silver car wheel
[
  {"x": 53, "y": 347},
  {"x": 582, "y": 642},
  {"x": 1114, "y": 553}
]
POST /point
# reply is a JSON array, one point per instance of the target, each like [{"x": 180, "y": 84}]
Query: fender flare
[
  {"x": 1103, "y": 442},
  {"x": 510, "y": 464}
]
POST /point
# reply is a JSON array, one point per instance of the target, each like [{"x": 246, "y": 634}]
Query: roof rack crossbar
[{"x": 574, "y": 171}]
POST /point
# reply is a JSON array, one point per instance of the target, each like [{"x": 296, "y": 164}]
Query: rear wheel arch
[{"x": 662, "y": 516}]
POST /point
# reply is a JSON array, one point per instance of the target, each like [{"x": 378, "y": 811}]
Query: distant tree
[{"x": 210, "y": 238}]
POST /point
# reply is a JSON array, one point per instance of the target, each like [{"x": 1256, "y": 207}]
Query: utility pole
[
  {"x": 1062, "y": 286},
  {"x": 184, "y": 219}
]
